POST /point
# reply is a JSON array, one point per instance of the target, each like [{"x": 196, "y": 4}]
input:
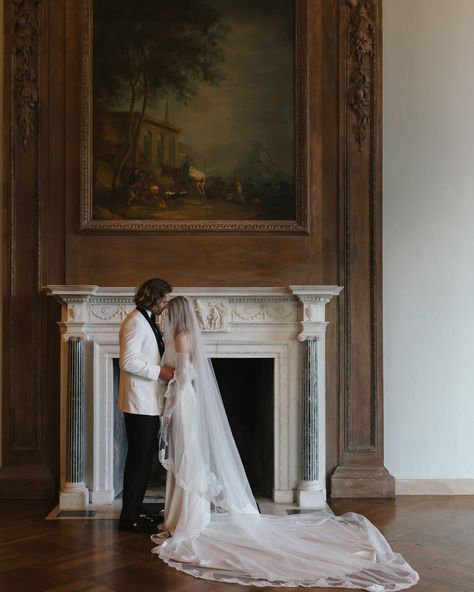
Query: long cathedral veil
[
  {"x": 222, "y": 478},
  {"x": 234, "y": 543}
]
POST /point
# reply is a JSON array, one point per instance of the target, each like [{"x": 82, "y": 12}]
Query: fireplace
[
  {"x": 272, "y": 339},
  {"x": 246, "y": 386}
]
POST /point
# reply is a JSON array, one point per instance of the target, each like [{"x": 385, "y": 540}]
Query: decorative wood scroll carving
[
  {"x": 361, "y": 33},
  {"x": 25, "y": 35}
]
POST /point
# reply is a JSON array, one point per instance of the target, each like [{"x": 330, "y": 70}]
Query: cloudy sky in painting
[{"x": 255, "y": 101}]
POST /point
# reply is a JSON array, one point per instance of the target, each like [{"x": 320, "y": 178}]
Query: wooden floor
[{"x": 435, "y": 534}]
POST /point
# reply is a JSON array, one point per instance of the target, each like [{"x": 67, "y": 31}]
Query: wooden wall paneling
[
  {"x": 187, "y": 259},
  {"x": 361, "y": 471},
  {"x": 25, "y": 470},
  {"x": 43, "y": 243}
]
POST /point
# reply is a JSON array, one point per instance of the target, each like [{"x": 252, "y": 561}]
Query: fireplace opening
[
  {"x": 246, "y": 386},
  {"x": 247, "y": 390}
]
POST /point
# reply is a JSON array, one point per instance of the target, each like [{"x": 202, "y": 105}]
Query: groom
[{"x": 140, "y": 397}]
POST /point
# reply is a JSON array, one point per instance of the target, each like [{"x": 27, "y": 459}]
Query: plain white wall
[{"x": 429, "y": 238}]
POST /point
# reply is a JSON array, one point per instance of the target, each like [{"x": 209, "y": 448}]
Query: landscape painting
[{"x": 193, "y": 114}]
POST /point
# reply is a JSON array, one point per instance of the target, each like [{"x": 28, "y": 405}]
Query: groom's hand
[{"x": 166, "y": 373}]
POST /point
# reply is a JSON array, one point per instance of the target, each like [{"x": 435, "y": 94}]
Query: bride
[{"x": 212, "y": 527}]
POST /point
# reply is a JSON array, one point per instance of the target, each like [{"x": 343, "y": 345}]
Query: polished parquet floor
[{"x": 435, "y": 534}]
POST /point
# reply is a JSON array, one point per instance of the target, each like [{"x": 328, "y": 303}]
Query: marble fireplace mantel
[{"x": 286, "y": 324}]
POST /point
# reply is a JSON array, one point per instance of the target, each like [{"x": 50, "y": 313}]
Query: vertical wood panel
[
  {"x": 361, "y": 471},
  {"x": 28, "y": 464}
]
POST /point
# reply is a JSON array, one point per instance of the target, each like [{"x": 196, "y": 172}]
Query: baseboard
[
  {"x": 27, "y": 483},
  {"x": 434, "y": 487},
  {"x": 362, "y": 481}
]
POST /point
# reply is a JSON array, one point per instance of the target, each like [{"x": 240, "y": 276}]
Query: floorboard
[{"x": 435, "y": 534}]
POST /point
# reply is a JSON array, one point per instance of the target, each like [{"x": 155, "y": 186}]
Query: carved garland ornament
[
  {"x": 361, "y": 33},
  {"x": 25, "y": 35}
]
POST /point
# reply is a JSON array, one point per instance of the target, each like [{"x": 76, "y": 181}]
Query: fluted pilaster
[
  {"x": 74, "y": 493},
  {"x": 310, "y": 412},
  {"x": 75, "y": 420}
]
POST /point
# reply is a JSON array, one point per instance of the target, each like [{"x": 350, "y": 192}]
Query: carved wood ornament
[
  {"x": 361, "y": 33},
  {"x": 25, "y": 34}
]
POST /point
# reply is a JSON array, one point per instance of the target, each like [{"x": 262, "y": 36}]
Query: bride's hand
[{"x": 166, "y": 373}]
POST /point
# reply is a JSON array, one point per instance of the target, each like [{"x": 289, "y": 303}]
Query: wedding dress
[{"x": 217, "y": 532}]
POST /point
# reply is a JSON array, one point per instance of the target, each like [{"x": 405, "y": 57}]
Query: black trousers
[{"x": 142, "y": 438}]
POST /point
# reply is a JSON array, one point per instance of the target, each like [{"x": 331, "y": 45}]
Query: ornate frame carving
[{"x": 300, "y": 225}]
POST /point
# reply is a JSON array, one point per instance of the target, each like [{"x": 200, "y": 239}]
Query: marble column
[
  {"x": 74, "y": 494},
  {"x": 312, "y": 487}
]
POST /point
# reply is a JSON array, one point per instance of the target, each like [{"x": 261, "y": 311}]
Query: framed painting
[{"x": 194, "y": 116}]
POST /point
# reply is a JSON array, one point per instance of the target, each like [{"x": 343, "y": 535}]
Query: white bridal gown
[{"x": 234, "y": 543}]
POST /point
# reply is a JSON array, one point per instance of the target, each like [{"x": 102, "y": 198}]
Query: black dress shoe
[
  {"x": 152, "y": 518},
  {"x": 141, "y": 525}
]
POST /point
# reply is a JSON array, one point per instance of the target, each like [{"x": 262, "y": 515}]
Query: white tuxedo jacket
[{"x": 139, "y": 389}]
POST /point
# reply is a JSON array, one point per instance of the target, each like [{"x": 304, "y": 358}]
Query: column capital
[
  {"x": 313, "y": 301},
  {"x": 74, "y": 301}
]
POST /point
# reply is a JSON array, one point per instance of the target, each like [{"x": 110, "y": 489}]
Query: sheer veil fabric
[{"x": 217, "y": 531}]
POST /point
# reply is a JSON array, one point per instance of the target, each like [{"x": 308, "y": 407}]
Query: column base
[
  {"x": 352, "y": 481},
  {"x": 311, "y": 495},
  {"x": 102, "y": 497},
  {"x": 74, "y": 496},
  {"x": 283, "y": 496}
]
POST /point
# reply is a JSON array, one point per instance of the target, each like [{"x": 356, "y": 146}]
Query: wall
[
  {"x": 1, "y": 209},
  {"x": 429, "y": 244},
  {"x": 43, "y": 244}
]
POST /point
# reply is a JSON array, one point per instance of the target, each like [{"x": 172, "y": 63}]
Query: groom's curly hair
[{"x": 151, "y": 291}]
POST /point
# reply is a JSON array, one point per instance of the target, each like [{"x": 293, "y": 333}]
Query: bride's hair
[{"x": 181, "y": 318}]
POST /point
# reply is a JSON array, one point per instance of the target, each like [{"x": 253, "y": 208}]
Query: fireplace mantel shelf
[{"x": 254, "y": 292}]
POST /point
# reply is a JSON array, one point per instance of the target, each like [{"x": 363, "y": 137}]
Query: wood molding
[{"x": 361, "y": 396}]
